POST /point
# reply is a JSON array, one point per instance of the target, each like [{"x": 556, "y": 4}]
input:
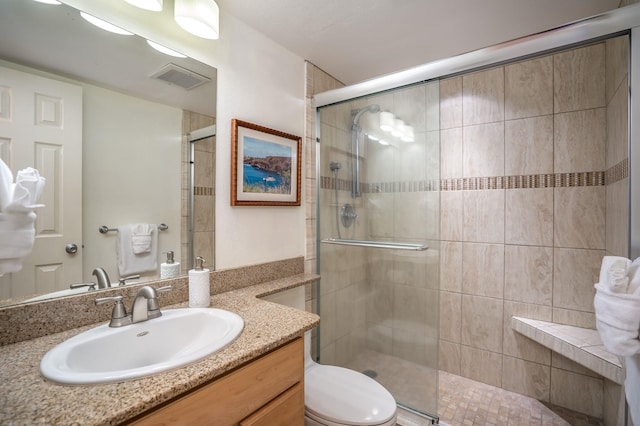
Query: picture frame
[{"x": 265, "y": 166}]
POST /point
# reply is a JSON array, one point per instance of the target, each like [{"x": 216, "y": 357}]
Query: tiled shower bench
[{"x": 581, "y": 345}]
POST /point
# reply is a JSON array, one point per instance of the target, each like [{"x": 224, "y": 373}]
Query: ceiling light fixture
[
  {"x": 409, "y": 134},
  {"x": 56, "y": 2},
  {"x": 198, "y": 17},
  {"x": 162, "y": 49},
  {"x": 104, "y": 24},
  {"x": 398, "y": 128},
  {"x": 153, "y": 5},
  {"x": 387, "y": 121}
]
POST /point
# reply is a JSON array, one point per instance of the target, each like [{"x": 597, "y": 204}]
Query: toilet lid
[{"x": 346, "y": 396}]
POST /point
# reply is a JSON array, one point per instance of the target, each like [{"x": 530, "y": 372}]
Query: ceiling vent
[{"x": 176, "y": 75}]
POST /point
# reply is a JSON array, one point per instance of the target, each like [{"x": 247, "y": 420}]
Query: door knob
[{"x": 71, "y": 248}]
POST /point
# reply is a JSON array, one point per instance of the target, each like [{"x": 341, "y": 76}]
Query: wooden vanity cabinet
[{"x": 266, "y": 391}]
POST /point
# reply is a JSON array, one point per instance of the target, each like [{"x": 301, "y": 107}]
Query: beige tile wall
[
  {"x": 204, "y": 193},
  {"x": 533, "y": 249},
  {"x": 317, "y": 81}
]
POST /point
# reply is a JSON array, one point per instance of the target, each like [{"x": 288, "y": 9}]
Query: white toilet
[{"x": 336, "y": 396}]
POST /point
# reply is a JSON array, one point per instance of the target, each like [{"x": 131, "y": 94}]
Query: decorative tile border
[
  {"x": 202, "y": 190},
  {"x": 618, "y": 172},
  {"x": 553, "y": 180}
]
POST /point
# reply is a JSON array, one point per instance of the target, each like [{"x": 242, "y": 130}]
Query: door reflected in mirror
[{"x": 130, "y": 108}]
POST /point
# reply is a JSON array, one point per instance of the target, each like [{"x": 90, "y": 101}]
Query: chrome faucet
[
  {"x": 103, "y": 278},
  {"x": 145, "y": 306}
]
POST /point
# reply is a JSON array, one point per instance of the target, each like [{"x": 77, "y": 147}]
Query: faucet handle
[
  {"x": 103, "y": 300},
  {"x": 122, "y": 281},
  {"x": 119, "y": 314},
  {"x": 164, "y": 289},
  {"x": 92, "y": 286}
]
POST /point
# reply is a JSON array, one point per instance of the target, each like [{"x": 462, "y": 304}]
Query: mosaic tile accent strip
[
  {"x": 618, "y": 172},
  {"x": 202, "y": 190},
  {"x": 553, "y": 180}
]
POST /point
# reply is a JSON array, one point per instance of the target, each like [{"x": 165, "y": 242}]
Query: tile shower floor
[{"x": 462, "y": 401}]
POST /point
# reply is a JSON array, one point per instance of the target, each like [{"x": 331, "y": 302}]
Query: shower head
[
  {"x": 334, "y": 166},
  {"x": 358, "y": 112}
]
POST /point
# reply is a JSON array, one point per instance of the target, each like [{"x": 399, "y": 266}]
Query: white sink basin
[{"x": 105, "y": 354}]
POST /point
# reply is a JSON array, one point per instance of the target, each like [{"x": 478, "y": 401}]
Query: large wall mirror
[{"x": 109, "y": 129}]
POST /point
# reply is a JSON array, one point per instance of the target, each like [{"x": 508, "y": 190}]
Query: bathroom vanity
[
  {"x": 267, "y": 391},
  {"x": 252, "y": 381}
]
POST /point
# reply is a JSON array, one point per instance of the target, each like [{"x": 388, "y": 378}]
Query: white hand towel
[
  {"x": 618, "y": 320},
  {"x": 141, "y": 238},
  {"x": 130, "y": 263},
  {"x": 614, "y": 273},
  {"x": 632, "y": 387},
  {"x": 17, "y": 235}
]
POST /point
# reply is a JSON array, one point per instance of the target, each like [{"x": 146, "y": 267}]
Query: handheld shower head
[{"x": 357, "y": 113}]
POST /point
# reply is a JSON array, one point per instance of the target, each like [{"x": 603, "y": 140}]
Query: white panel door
[{"x": 41, "y": 127}]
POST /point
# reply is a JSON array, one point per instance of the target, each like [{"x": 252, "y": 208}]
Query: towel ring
[{"x": 104, "y": 229}]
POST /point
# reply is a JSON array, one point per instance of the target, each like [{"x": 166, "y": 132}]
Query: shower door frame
[{"x": 599, "y": 27}]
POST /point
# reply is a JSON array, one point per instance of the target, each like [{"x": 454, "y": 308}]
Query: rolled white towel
[
  {"x": 614, "y": 273},
  {"x": 618, "y": 320},
  {"x": 632, "y": 387},
  {"x": 8, "y": 266},
  {"x": 26, "y": 192},
  {"x": 634, "y": 276}
]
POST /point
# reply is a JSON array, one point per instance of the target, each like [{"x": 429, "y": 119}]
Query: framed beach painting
[{"x": 265, "y": 166}]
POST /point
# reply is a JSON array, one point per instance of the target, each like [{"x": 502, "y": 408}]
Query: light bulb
[
  {"x": 387, "y": 121},
  {"x": 198, "y": 17},
  {"x": 398, "y": 128},
  {"x": 104, "y": 24},
  {"x": 153, "y": 5},
  {"x": 162, "y": 49},
  {"x": 408, "y": 135}
]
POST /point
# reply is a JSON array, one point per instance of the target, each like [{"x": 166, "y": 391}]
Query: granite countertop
[{"x": 27, "y": 398}]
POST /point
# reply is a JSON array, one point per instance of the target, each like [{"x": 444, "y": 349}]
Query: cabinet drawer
[
  {"x": 285, "y": 410},
  {"x": 233, "y": 397}
]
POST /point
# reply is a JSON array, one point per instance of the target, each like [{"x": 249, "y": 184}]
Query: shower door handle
[{"x": 376, "y": 244}]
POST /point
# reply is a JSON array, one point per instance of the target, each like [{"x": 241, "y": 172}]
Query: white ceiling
[{"x": 356, "y": 40}]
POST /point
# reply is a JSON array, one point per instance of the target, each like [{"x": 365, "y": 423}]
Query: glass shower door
[{"x": 379, "y": 240}]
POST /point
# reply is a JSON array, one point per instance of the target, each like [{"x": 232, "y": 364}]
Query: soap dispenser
[
  {"x": 170, "y": 268},
  {"x": 199, "y": 292}
]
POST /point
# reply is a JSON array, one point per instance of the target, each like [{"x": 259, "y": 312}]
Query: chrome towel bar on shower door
[{"x": 376, "y": 244}]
